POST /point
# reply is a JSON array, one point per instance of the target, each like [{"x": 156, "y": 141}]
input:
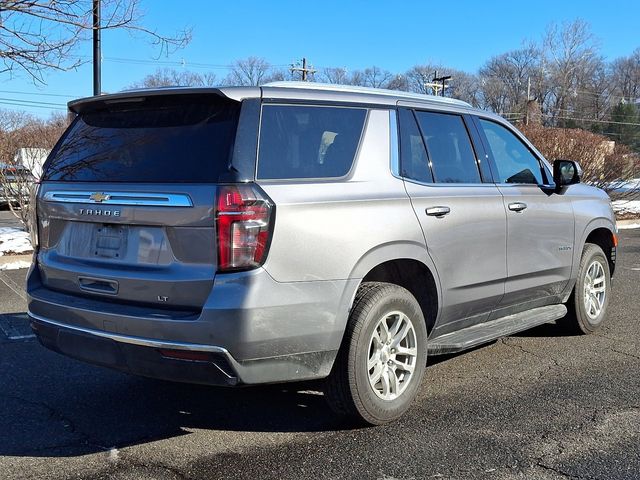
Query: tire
[
  {"x": 587, "y": 308},
  {"x": 353, "y": 387}
]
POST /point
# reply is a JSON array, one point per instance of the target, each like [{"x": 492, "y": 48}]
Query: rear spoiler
[{"x": 100, "y": 102}]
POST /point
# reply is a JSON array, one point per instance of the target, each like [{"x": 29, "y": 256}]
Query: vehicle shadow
[
  {"x": 54, "y": 406},
  {"x": 545, "y": 330},
  {"x": 51, "y": 405}
]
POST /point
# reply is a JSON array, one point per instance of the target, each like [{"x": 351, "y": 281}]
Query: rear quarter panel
[{"x": 334, "y": 230}]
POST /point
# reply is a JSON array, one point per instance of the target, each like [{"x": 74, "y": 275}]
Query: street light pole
[{"x": 97, "y": 54}]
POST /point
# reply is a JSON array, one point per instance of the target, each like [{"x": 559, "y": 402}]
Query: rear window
[
  {"x": 308, "y": 141},
  {"x": 180, "y": 139}
]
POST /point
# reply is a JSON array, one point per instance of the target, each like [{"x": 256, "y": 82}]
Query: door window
[
  {"x": 413, "y": 155},
  {"x": 514, "y": 161},
  {"x": 449, "y": 148}
]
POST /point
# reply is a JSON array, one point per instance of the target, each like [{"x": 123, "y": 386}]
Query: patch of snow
[
  {"x": 626, "y": 206},
  {"x": 14, "y": 240},
  {"x": 628, "y": 226},
  {"x": 113, "y": 454},
  {"x": 625, "y": 186},
  {"x": 17, "y": 265}
]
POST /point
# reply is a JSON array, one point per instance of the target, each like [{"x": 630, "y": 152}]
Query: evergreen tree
[{"x": 625, "y": 125}]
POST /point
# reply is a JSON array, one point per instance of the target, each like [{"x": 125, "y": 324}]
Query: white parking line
[
  {"x": 20, "y": 337},
  {"x": 12, "y": 285}
]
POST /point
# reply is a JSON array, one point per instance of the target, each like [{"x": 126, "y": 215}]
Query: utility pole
[
  {"x": 526, "y": 113},
  {"x": 442, "y": 79},
  {"x": 97, "y": 54},
  {"x": 304, "y": 70},
  {"x": 437, "y": 83}
]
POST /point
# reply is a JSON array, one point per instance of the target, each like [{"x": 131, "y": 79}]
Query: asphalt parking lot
[
  {"x": 8, "y": 219},
  {"x": 537, "y": 405}
]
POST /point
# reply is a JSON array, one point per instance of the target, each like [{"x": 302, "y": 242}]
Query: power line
[
  {"x": 32, "y": 101},
  {"x": 15, "y": 92},
  {"x": 590, "y": 120},
  {"x": 16, "y": 104},
  {"x": 172, "y": 63}
]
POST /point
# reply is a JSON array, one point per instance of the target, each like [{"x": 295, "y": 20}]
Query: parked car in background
[
  {"x": 246, "y": 235},
  {"x": 15, "y": 183},
  {"x": 32, "y": 158}
]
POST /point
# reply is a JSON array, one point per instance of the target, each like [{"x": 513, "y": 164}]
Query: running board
[{"x": 486, "y": 332}]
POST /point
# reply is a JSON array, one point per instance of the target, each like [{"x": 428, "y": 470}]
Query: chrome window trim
[{"x": 121, "y": 198}]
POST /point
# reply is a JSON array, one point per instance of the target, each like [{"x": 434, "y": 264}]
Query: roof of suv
[{"x": 287, "y": 91}]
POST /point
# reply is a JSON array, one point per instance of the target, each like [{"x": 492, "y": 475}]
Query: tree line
[{"x": 564, "y": 72}]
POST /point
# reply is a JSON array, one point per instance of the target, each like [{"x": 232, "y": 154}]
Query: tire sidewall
[
  {"x": 368, "y": 403},
  {"x": 592, "y": 252}
]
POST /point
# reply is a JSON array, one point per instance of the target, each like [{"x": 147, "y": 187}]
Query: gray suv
[{"x": 246, "y": 235}]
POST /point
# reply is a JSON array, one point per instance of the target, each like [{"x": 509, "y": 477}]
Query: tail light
[
  {"x": 244, "y": 219},
  {"x": 33, "y": 214}
]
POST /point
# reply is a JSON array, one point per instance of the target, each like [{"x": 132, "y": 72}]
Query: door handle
[
  {"x": 517, "y": 206},
  {"x": 437, "y": 211}
]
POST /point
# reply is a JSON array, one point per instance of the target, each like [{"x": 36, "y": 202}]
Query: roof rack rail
[{"x": 366, "y": 90}]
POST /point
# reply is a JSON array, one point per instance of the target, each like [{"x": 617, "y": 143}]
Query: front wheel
[
  {"x": 587, "y": 306},
  {"x": 383, "y": 355}
]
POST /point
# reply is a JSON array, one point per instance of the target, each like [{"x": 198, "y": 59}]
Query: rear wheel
[
  {"x": 383, "y": 355},
  {"x": 588, "y": 303}
]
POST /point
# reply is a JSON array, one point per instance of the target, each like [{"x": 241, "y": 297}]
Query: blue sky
[{"x": 353, "y": 34}]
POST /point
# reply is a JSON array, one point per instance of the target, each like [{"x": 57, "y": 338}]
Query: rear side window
[
  {"x": 308, "y": 141},
  {"x": 166, "y": 139},
  {"x": 449, "y": 147},
  {"x": 413, "y": 155},
  {"x": 514, "y": 161}
]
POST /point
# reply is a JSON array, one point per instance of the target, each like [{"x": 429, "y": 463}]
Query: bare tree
[
  {"x": 625, "y": 73},
  {"x": 376, "y": 77},
  {"x": 337, "y": 76},
  {"x": 250, "y": 71},
  {"x": 464, "y": 86},
  {"x": 22, "y": 133},
  {"x": 505, "y": 79},
  {"x": 419, "y": 77},
  {"x": 357, "y": 78},
  {"x": 167, "y": 77},
  {"x": 571, "y": 56},
  {"x": 36, "y": 36},
  {"x": 594, "y": 97},
  {"x": 398, "y": 82}
]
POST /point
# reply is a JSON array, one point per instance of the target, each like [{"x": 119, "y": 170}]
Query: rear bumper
[
  {"x": 137, "y": 356},
  {"x": 253, "y": 330}
]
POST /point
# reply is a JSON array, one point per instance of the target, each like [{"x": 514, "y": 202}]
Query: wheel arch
[
  {"x": 601, "y": 232},
  {"x": 409, "y": 266}
]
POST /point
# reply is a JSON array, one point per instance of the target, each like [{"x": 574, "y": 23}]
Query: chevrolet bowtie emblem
[{"x": 99, "y": 197}]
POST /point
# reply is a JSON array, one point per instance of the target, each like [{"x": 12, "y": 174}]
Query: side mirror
[{"x": 566, "y": 172}]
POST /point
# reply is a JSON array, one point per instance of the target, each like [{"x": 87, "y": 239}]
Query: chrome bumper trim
[{"x": 144, "y": 342}]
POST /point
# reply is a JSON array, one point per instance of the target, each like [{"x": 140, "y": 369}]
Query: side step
[{"x": 501, "y": 327}]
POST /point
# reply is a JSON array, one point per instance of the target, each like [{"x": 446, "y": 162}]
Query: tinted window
[
  {"x": 308, "y": 142},
  {"x": 413, "y": 156},
  {"x": 449, "y": 148},
  {"x": 514, "y": 161},
  {"x": 159, "y": 140}
]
